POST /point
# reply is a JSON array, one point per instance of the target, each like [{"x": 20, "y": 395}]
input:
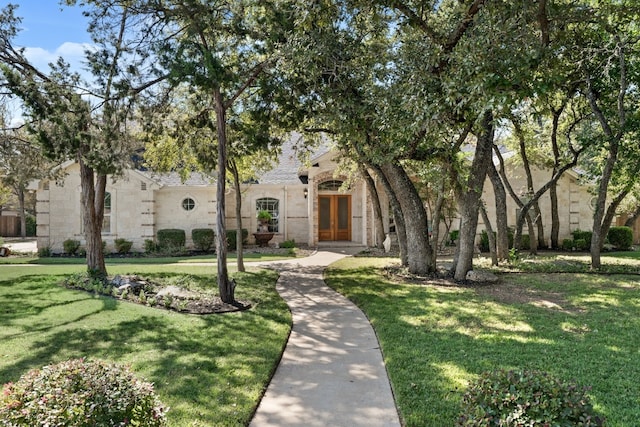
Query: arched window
[
  {"x": 331, "y": 185},
  {"x": 272, "y": 206}
]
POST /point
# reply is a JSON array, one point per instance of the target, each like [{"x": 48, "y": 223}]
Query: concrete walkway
[{"x": 331, "y": 372}]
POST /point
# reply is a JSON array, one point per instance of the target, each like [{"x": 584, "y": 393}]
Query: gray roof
[
  {"x": 289, "y": 166},
  {"x": 173, "y": 179},
  {"x": 287, "y": 169}
]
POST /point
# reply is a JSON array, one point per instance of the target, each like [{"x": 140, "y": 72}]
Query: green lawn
[
  {"x": 144, "y": 260},
  {"x": 210, "y": 370},
  {"x": 435, "y": 338}
]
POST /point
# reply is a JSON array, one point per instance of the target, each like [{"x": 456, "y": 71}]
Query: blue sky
[{"x": 50, "y": 30}]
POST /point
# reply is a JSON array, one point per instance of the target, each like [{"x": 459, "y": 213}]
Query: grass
[
  {"x": 142, "y": 260},
  {"x": 581, "y": 327},
  {"x": 210, "y": 370}
]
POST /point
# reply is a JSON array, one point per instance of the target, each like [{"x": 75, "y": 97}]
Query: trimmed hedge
[
  {"x": 525, "y": 398},
  {"x": 203, "y": 238},
  {"x": 231, "y": 238},
  {"x": 171, "y": 238},
  {"x": 81, "y": 393},
  {"x": 621, "y": 237}
]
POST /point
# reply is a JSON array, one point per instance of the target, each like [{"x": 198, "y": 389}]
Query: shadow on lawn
[
  {"x": 195, "y": 362},
  {"x": 436, "y": 338}
]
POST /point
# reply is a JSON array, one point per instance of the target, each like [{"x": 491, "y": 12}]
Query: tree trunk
[
  {"x": 492, "y": 238},
  {"x": 375, "y": 201},
  {"x": 502, "y": 226},
  {"x": 555, "y": 217},
  {"x": 398, "y": 218},
  {"x": 415, "y": 219},
  {"x": 435, "y": 220},
  {"x": 541, "y": 241},
  {"x": 23, "y": 216},
  {"x": 92, "y": 198},
  {"x": 225, "y": 286},
  {"x": 239, "y": 245},
  {"x": 470, "y": 200},
  {"x": 631, "y": 220}
]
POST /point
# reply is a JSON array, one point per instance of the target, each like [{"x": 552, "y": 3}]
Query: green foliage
[
  {"x": 453, "y": 236},
  {"x": 81, "y": 393},
  {"x": 170, "y": 239},
  {"x": 203, "y": 238},
  {"x": 123, "y": 246},
  {"x": 288, "y": 244},
  {"x": 526, "y": 242},
  {"x": 484, "y": 240},
  {"x": 567, "y": 245},
  {"x": 264, "y": 216},
  {"x": 522, "y": 398},
  {"x": 71, "y": 246},
  {"x": 580, "y": 244},
  {"x": 585, "y": 235},
  {"x": 44, "y": 252},
  {"x": 150, "y": 246},
  {"x": 231, "y": 238},
  {"x": 621, "y": 237},
  {"x": 31, "y": 225}
]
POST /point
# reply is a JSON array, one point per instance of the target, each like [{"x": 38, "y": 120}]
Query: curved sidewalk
[{"x": 331, "y": 372}]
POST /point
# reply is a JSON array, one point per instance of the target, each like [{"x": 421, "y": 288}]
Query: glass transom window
[{"x": 332, "y": 185}]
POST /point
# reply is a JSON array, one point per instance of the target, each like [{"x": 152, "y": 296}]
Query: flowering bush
[
  {"x": 525, "y": 398},
  {"x": 80, "y": 393}
]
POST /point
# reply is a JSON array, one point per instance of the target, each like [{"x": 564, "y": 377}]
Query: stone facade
[{"x": 143, "y": 203}]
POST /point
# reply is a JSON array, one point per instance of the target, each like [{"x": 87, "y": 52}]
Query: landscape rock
[{"x": 481, "y": 276}]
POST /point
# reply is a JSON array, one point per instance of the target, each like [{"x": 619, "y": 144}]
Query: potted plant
[
  {"x": 263, "y": 235},
  {"x": 263, "y": 218}
]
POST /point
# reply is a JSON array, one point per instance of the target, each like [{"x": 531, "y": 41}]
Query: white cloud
[{"x": 73, "y": 53}]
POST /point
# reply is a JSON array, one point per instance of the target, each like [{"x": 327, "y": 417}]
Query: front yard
[
  {"x": 437, "y": 337},
  {"x": 210, "y": 370}
]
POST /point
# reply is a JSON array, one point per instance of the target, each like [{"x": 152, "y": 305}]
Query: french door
[{"x": 334, "y": 217}]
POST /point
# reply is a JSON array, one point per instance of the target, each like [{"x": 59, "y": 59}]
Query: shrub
[
  {"x": 30, "y": 225},
  {"x": 453, "y": 236},
  {"x": 123, "y": 246},
  {"x": 288, "y": 244},
  {"x": 580, "y": 244},
  {"x": 523, "y": 398},
  {"x": 203, "y": 238},
  {"x": 567, "y": 244},
  {"x": 484, "y": 239},
  {"x": 526, "y": 242},
  {"x": 171, "y": 239},
  {"x": 44, "y": 252},
  {"x": 579, "y": 234},
  {"x": 621, "y": 237},
  {"x": 81, "y": 393},
  {"x": 231, "y": 238},
  {"x": 71, "y": 246},
  {"x": 150, "y": 246}
]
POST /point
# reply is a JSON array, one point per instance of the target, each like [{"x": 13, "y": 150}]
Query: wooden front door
[{"x": 334, "y": 217}]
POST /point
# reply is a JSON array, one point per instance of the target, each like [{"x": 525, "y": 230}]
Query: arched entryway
[{"x": 334, "y": 212}]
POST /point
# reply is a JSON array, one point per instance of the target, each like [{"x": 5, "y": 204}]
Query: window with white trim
[
  {"x": 272, "y": 206},
  {"x": 106, "y": 220}
]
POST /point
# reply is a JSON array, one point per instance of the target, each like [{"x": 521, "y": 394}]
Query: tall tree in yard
[
  {"x": 220, "y": 51},
  {"x": 75, "y": 120}
]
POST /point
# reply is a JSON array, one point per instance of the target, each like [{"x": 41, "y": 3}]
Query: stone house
[{"x": 307, "y": 201}]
